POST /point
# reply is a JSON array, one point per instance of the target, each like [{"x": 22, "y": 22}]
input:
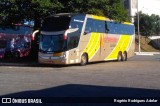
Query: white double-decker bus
[{"x": 83, "y": 38}]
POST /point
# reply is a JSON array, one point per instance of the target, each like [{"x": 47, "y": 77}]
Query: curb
[{"x": 147, "y": 53}]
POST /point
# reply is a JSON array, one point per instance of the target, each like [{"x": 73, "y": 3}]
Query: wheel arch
[{"x": 84, "y": 53}]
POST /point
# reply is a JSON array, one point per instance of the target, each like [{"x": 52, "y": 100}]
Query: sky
[{"x": 149, "y": 6}]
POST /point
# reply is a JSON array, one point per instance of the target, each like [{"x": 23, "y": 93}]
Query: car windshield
[{"x": 50, "y": 43}]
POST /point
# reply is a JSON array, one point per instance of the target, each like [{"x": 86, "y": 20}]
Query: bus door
[
  {"x": 73, "y": 36},
  {"x": 72, "y": 43}
]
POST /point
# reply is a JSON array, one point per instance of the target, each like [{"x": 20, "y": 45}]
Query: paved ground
[
  {"x": 139, "y": 76},
  {"x": 139, "y": 72}
]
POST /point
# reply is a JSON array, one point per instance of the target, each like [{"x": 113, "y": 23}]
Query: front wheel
[{"x": 84, "y": 59}]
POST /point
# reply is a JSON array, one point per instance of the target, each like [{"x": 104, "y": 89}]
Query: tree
[
  {"x": 156, "y": 24},
  {"x": 149, "y": 25},
  {"x": 109, "y": 8},
  {"x": 117, "y": 11},
  {"x": 12, "y": 11}
]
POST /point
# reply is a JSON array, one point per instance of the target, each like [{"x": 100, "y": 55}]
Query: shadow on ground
[
  {"x": 24, "y": 62},
  {"x": 86, "y": 95}
]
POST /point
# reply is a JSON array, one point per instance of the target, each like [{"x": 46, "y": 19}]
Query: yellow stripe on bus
[
  {"x": 90, "y": 43},
  {"x": 98, "y": 17},
  {"x": 130, "y": 43},
  {"x": 128, "y": 23},
  {"x": 122, "y": 45},
  {"x": 126, "y": 42},
  {"x": 93, "y": 45}
]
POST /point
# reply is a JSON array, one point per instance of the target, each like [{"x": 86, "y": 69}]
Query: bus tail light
[
  {"x": 65, "y": 37},
  {"x": 34, "y": 34},
  {"x": 32, "y": 38}
]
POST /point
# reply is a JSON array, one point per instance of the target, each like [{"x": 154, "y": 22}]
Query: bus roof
[{"x": 89, "y": 16}]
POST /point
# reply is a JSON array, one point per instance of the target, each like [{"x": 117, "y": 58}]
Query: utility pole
[{"x": 139, "y": 37}]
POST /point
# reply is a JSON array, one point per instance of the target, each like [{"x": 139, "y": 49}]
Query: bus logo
[{"x": 6, "y": 100}]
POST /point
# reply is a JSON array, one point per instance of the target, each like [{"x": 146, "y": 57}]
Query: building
[{"x": 146, "y": 6}]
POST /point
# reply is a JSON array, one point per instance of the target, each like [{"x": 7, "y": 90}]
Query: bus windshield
[
  {"x": 59, "y": 24},
  {"x": 49, "y": 43}
]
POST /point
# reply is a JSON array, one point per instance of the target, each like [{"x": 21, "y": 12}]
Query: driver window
[{"x": 88, "y": 27}]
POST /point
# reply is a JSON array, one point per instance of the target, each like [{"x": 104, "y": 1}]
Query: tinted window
[
  {"x": 99, "y": 26},
  {"x": 94, "y": 25},
  {"x": 118, "y": 28},
  {"x": 126, "y": 4},
  {"x": 56, "y": 23},
  {"x": 89, "y": 26},
  {"x": 77, "y": 22},
  {"x": 73, "y": 38},
  {"x": 24, "y": 30},
  {"x": 49, "y": 43}
]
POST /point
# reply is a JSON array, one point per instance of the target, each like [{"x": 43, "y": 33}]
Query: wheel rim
[
  {"x": 83, "y": 59},
  {"x": 125, "y": 56},
  {"x": 120, "y": 57}
]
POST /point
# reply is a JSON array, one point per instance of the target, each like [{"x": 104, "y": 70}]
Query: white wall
[
  {"x": 149, "y": 6},
  {"x": 146, "y": 6}
]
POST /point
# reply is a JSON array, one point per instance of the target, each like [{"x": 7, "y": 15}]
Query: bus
[
  {"x": 15, "y": 40},
  {"x": 82, "y": 38}
]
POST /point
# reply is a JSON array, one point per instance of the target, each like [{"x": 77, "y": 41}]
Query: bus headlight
[{"x": 64, "y": 54}]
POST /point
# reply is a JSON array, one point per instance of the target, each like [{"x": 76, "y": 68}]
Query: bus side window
[
  {"x": 89, "y": 26},
  {"x": 94, "y": 25},
  {"x": 100, "y": 26},
  {"x": 77, "y": 22}
]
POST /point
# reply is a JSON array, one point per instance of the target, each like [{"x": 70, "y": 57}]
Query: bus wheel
[
  {"x": 84, "y": 59},
  {"x": 125, "y": 56},
  {"x": 120, "y": 57}
]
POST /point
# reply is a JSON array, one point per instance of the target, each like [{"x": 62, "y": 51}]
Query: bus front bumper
[{"x": 52, "y": 60}]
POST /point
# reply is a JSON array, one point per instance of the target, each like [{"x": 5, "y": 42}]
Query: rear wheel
[
  {"x": 125, "y": 56},
  {"x": 84, "y": 59},
  {"x": 120, "y": 57}
]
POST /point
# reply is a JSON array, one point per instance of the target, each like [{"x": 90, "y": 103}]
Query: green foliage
[
  {"x": 12, "y": 11},
  {"x": 117, "y": 11},
  {"x": 109, "y": 8},
  {"x": 149, "y": 25}
]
